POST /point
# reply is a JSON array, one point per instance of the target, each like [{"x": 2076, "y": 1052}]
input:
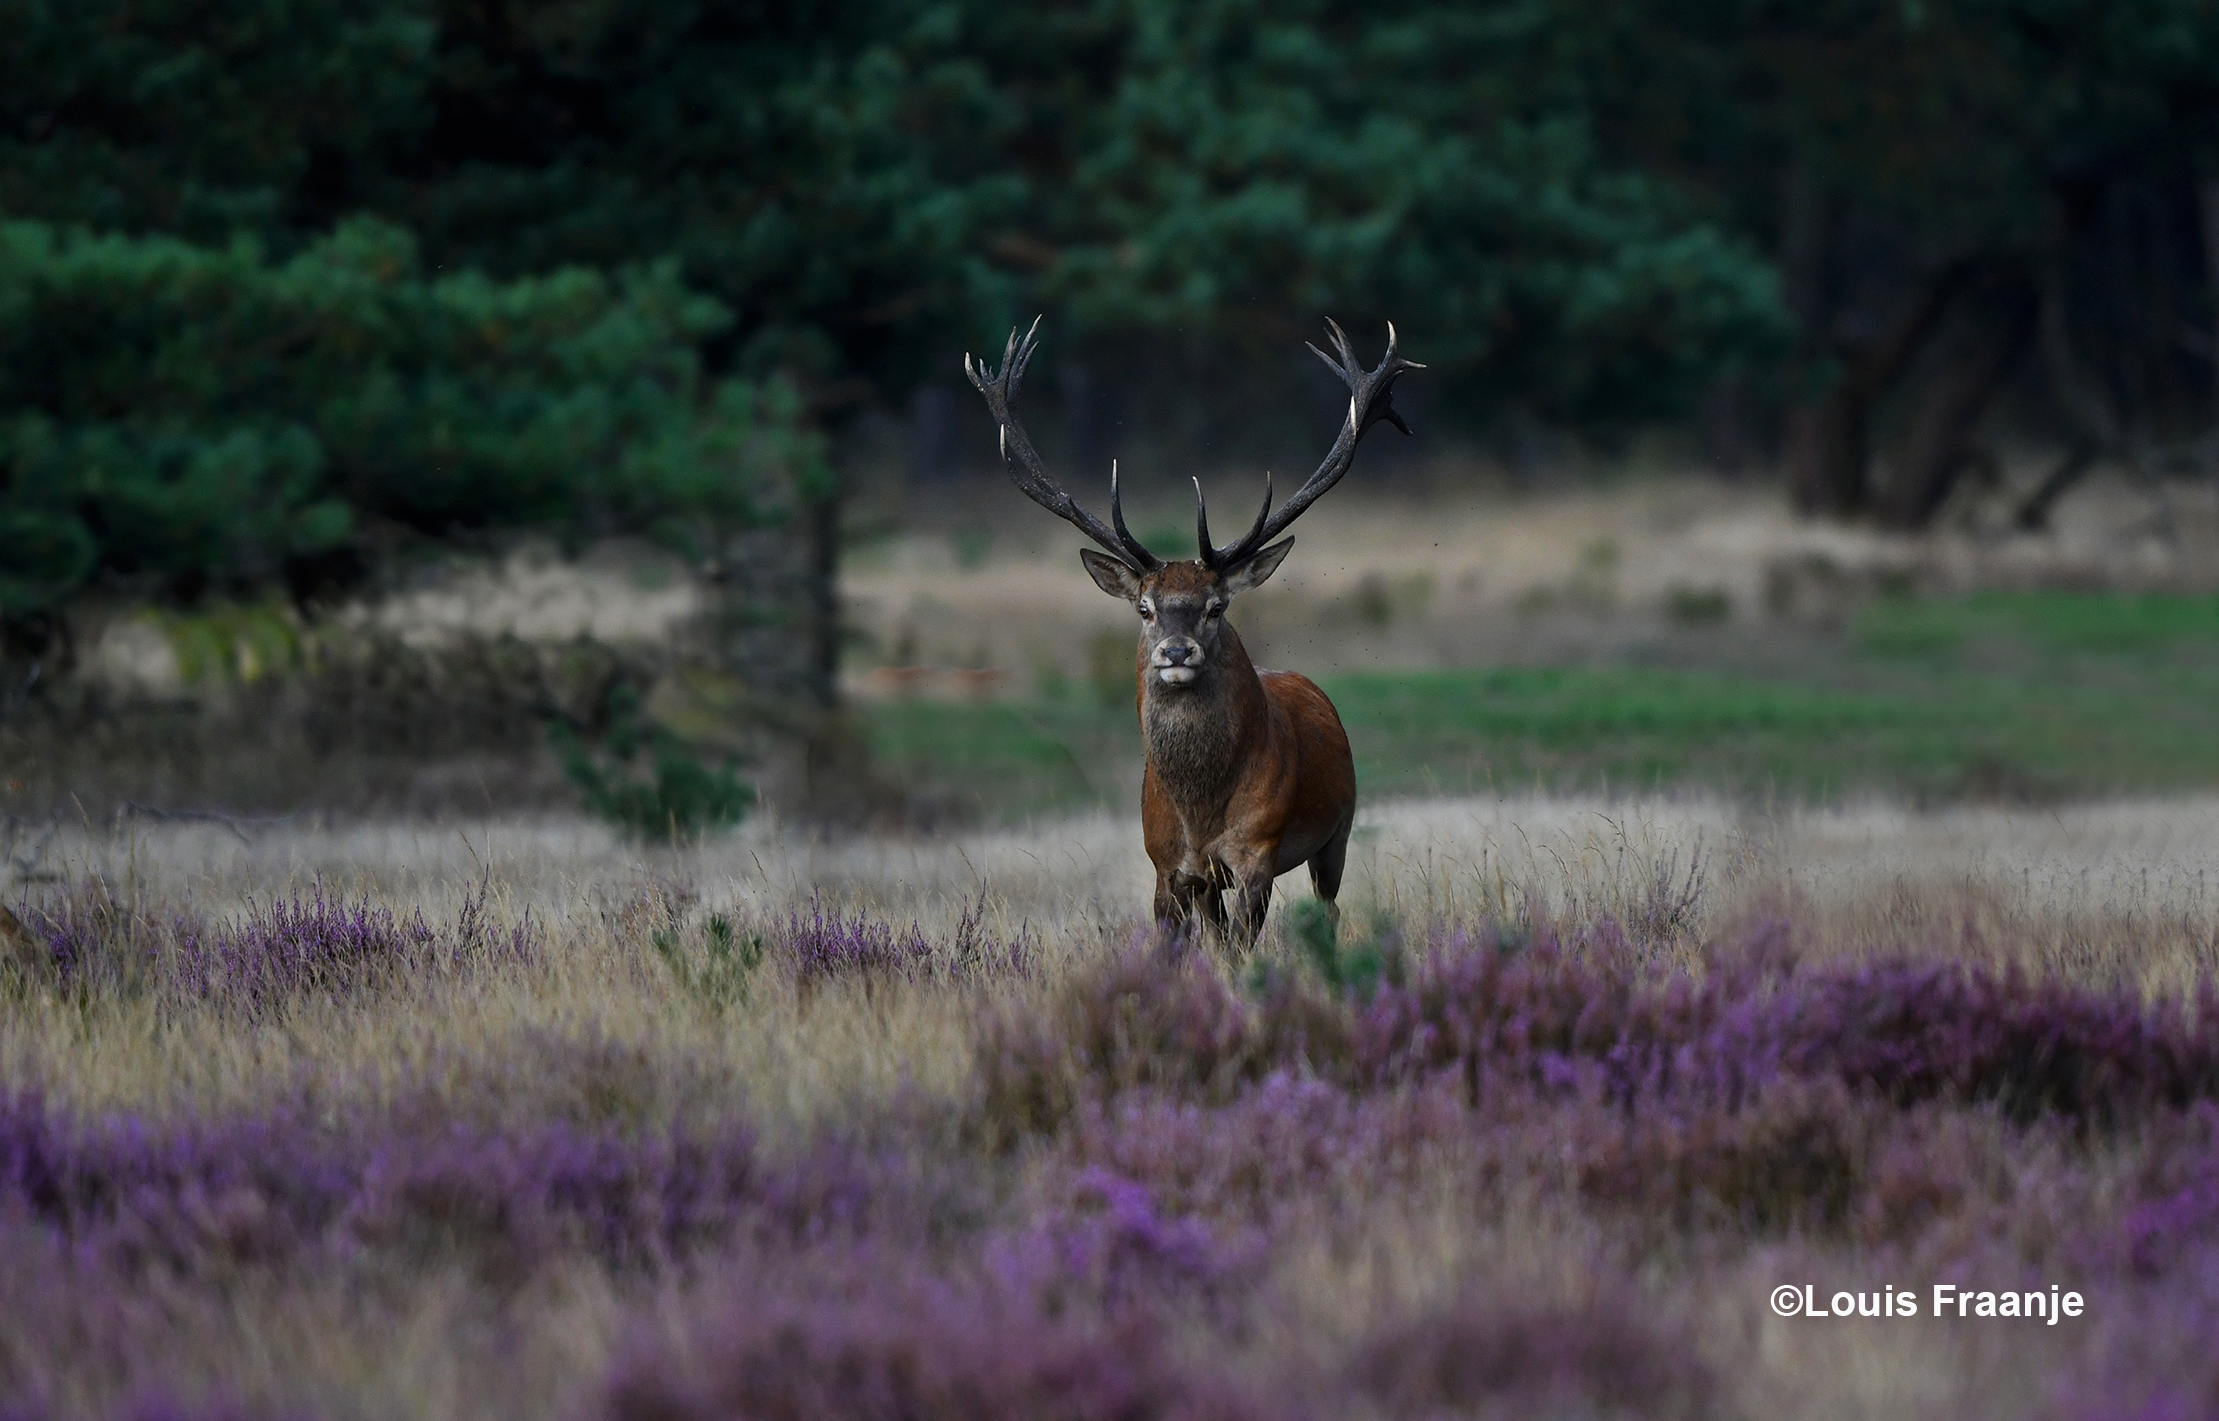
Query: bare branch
[{"x": 196, "y": 816}]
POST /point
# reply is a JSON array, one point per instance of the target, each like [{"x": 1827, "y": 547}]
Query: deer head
[
  {"x": 1182, "y": 604},
  {"x": 1182, "y": 609}
]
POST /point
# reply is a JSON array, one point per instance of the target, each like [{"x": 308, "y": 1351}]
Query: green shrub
[
  {"x": 714, "y": 973},
  {"x": 192, "y": 416},
  {"x": 647, "y": 781},
  {"x": 1355, "y": 970}
]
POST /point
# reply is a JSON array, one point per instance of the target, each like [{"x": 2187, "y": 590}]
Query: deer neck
[{"x": 1197, "y": 737}]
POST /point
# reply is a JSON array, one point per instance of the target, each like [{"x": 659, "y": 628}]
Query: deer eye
[
  {"x": 1214, "y": 610},
  {"x": 1147, "y": 613}
]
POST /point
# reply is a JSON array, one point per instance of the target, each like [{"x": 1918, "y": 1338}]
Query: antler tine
[
  {"x": 1208, "y": 550},
  {"x": 1341, "y": 343},
  {"x": 1024, "y": 353},
  {"x": 1250, "y": 538},
  {"x": 1346, "y": 366},
  {"x": 1117, "y": 516},
  {"x": 1370, "y": 400},
  {"x": 1394, "y": 359},
  {"x": 1241, "y": 547},
  {"x": 1023, "y": 463}
]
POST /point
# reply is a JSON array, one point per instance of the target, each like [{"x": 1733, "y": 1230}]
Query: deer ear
[
  {"x": 1257, "y": 569},
  {"x": 1111, "y": 575}
]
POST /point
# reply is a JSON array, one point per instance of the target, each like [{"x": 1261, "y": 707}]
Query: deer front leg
[
  {"x": 1250, "y": 870},
  {"x": 1168, "y": 907},
  {"x": 1186, "y": 902}
]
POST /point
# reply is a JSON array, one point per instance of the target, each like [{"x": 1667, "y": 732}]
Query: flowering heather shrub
[
  {"x": 2143, "y": 1402},
  {"x": 1797, "y": 1158},
  {"x": 876, "y": 1336},
  {"x": 1110, "y": 1245},
  {"x": 1561, "y": 1014},
  {"x": 1904, "y": 1031},
  {"x": 320, "y": 944},
  {"x": 1483, "y": 1357},
  {"x": 506, "y": 1203},
  {"x": 199, "y": 1201},
  {"x": 899, "y": 1347},
  {"x": 1151, "y": 1016},
  {"x": 1287, "y": 1139},
  {"x": 974, "y": 953},
  {"x": 1158, "y": 1159},
  {"x": 827, "y": 946},
  {"x": 159, "y": 1407},
  {"x": 1806, "y": 1158},
  {"x": 1912, "y": 1031},
  {"x": 90, "y": 938},
  {"x": 258, "y": 1190},
  {"x": 2167, "y": 1229},
  {"x": 1550, "y": 1013},
  {"x": 325, "y": 944}
]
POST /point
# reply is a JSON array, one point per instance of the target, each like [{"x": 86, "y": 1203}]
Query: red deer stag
[{"x": 1248, "y": 771}]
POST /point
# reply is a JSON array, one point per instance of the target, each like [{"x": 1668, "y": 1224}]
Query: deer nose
[{"x": 1175, "y": 653}]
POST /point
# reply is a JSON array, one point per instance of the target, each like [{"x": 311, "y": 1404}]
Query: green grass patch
[
  {"x": 2110, "y": 626},
  {"x": 1005, "y": 760},
  {"x": 1631, "y": 727},
  {"x": 2033, "y": 696}
]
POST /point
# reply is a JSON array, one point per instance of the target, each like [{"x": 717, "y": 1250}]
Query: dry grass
[{"x": 2102, "y": 895}]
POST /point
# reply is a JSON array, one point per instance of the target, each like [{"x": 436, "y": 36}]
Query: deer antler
[
  {"x": 1026, "y": 471},
  {"x": 1370, "y": 400}
]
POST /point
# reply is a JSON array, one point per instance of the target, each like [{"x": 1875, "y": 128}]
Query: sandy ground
[
  {"x": 1664, "y": 568},
  {"x": 978, "y": 593}
]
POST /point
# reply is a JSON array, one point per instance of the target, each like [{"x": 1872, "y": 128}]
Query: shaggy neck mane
[{"x": 1196, "y": 738}]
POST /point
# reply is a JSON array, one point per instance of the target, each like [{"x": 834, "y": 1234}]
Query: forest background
[{"x": 297, "y": 294}]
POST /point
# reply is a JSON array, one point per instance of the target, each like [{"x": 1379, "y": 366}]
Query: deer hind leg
[
  {"x": 1248, "y": 915},
  {"x": 1325, "y": 872}
]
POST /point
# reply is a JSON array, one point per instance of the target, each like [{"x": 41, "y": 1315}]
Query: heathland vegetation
[
  {"x": 331, "y": 1125},
  {"x": 554, "y": 864}
]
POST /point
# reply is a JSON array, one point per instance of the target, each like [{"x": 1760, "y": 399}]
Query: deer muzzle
[{"x": 1176, "y": 661}]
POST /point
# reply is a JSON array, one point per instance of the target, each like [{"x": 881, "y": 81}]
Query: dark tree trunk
[
  {"x": 821, "y": 519},
  {"x": 2077, "y": 398},
  {"x": 2033, "y": 514},
  {"x": 2207, "y": 209},
  {"x": 775, "y": 618},
  {"x": 36, "y": 650},
  {"x": 1830, "y": 439},
  {"x": 933, "y": 435},
  {"x": 1819, "y": 437},
  {"x": 1726, "y": 426},
  {"x": 1826, "y": 451},
  {"x": 1970, "y": 356}
]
